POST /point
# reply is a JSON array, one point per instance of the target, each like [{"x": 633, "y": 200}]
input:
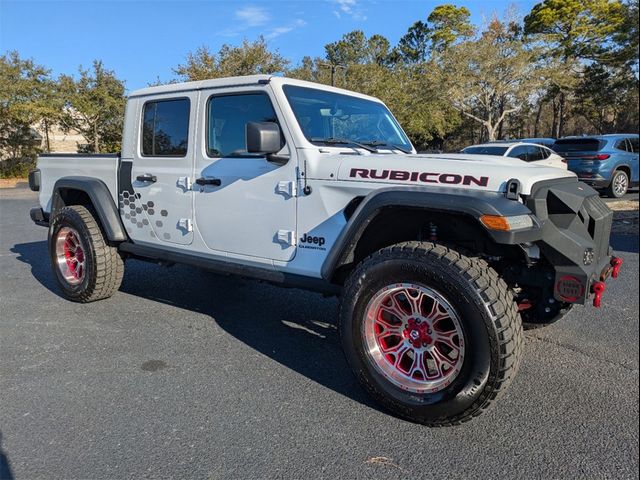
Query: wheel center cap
[{"x": 418, "y": 333}]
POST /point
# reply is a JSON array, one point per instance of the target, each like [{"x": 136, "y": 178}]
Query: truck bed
[{"x": 54, "y": 166}]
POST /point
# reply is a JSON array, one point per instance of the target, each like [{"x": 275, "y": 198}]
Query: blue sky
[{"x": 143, "y": 40}]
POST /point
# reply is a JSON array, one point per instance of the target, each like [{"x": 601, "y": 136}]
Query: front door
[
  {"x": 246, "y": 205},
  {"x": 157, "y": 206}
]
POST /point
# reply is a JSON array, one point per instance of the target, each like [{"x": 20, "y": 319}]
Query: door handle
[
  {"x": 147, "y": 177},
  {"x": 216, "y": 182}
]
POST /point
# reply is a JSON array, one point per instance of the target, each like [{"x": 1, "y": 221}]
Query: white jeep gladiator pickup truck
[{"x": 438, "y": 260}]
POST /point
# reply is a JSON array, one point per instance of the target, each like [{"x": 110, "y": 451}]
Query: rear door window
[
  {"x": 622, "y": 145},
  {"x": 534, "y": 153},
  {"x": 165, "y": 128},
  {"x": 520, "y": 152},
  {"x": 634, "y": 144}
]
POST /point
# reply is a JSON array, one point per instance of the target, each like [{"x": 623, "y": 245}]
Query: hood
[{"x": 478, "y": 172}]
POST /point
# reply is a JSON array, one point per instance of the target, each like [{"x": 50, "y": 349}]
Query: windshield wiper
[
  {"x": 378, "y": 143},
  {"x": 344, "y": 141}
]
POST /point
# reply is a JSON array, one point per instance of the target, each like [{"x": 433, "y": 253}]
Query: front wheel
[
  {"x": 431, "y": 334},
  {"x": 86, "y": 266}
]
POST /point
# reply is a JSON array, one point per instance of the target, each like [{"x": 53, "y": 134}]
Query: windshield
[
  {"x": 333, "y": 118},
  {"x": 485, "y": 150}
]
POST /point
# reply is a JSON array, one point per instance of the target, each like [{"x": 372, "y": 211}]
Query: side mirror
[{"x": 263, "y": 137}]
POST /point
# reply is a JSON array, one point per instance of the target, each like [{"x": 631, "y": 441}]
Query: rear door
[{"x": 157, "y": 205}]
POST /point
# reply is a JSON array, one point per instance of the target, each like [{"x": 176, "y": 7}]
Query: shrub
[{"x": 17, "y": 167}]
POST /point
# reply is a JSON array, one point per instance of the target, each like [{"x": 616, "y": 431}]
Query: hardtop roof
[{"x": 239, "y": 81}]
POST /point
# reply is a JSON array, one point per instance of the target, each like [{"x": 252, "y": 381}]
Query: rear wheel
[
  {"x": 619, "y": 185},
  {"x": 433, "y": 335},
  {"x": 85, "y": 265}
]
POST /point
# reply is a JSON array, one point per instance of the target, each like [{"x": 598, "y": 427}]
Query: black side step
[{"x": 149, "y": 253}]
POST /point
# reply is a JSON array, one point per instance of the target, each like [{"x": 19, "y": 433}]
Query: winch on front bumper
[{"x": 575, "y": 229}]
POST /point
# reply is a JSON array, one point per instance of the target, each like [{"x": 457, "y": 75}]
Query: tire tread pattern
[
  {"x": 109, "y": 265},
  {"x": 495, "y": 295}
]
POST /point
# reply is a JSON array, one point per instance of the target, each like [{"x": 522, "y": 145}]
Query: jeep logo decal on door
[{"x": 314, "y": 243}]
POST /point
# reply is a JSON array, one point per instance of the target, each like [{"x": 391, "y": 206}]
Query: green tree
[
  {"x": 247, "y": 59},
  {"x": 413, "y": 47},
  {"x": 571, "y": 32},
  {"x": 27, "y": 97},
  {"x": 94, "y": 106},
  {"x": 449, "y": 24},
  {"x": 626, "y": 38},
  {"x": 575, "y": 29},
  {"x": 606, "y": 98},
  {"x": 489, "y": 78}
]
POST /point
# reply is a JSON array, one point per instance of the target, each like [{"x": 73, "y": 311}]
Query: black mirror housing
[{"x": 263, "y": 137}]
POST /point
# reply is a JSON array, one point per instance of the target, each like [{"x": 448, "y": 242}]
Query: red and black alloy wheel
[
  {"x": 86, "y": 266},
  {"x": 434, "y": 336}
]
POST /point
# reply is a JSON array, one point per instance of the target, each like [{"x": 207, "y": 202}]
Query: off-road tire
[
  {"x": 489, "y": 316},
  {"x": 104, "y": 266},
  {"x": 611, "y": 189}
]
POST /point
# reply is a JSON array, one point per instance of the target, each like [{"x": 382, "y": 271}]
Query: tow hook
[
  {"x": 616, "y": 263},
  {"x": 598, "y": 289}
]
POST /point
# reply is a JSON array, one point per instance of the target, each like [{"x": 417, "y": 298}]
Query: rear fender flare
[{"x": 101, "y": 201}]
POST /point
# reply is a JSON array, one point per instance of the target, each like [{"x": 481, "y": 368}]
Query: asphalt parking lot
[{"x": 186, "y": 374}]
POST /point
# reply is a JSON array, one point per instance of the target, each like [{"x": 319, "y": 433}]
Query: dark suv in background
[{"x": 608, "y": 162}]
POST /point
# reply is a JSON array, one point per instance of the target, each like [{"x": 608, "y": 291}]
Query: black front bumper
[{"x": 574, "y": 240}]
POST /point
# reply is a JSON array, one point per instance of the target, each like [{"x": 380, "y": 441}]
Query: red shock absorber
[
  {"x": 616, "y": 263},
  {"x": 598, "y": 289}
]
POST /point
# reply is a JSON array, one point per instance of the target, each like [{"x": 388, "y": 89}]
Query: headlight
[{"x": 507, "y": 224}]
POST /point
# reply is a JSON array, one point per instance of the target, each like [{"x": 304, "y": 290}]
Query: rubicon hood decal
[
  {"x": 419, "y": 177},
  {"x": 475, "y": 172}
]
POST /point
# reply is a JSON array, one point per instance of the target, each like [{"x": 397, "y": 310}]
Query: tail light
[{"x": 602, "y": 156}]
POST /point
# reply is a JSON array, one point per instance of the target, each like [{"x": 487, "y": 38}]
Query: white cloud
[
  {"x": 350, "y": 8},
  {"x": 253, "y": 16},
  {"x": 277, "y": 31}
]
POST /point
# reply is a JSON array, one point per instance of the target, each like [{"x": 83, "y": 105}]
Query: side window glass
[
  {"x": 227, "y": 119},
  {"x": 533, "y": 153},
  {"x": 634, "y": 144},
  {"x": 547, "y": 152},
  {"x": 519, "y": 152},
  {"x": 621, "y": 145},
  {"x": 543, "y": 153},
  {"x": 629, "y": 147},
  {"x": 165, "y": 128}
]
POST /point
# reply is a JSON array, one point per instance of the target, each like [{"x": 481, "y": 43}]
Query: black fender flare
[
  {"x": 101, "y": 200},
  {"x": 457, "y": 201}
]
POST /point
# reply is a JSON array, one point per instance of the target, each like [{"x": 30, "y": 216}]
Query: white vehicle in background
[{"x": 529, "y": 152}]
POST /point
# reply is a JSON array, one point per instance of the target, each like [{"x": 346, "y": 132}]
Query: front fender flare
[
  {"x": 101, "y": 200},
  {"x": 458, "y": 201}
]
